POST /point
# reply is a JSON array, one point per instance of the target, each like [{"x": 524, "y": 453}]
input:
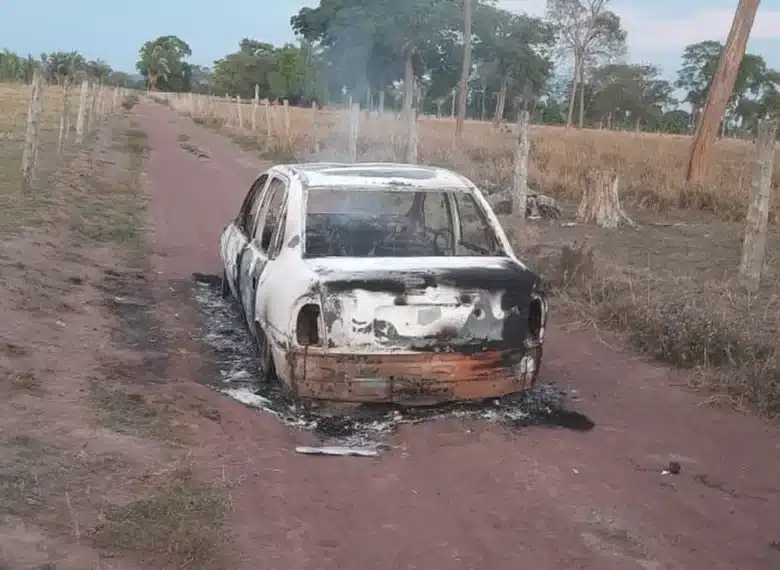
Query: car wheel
[
  {"x": 224, "y": 287},
  {"x": 266, "y": 358}
]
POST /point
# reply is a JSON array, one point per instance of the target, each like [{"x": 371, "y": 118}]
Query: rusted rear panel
[{"x": 412, "y": 378}]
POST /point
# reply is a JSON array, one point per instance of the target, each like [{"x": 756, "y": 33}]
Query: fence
[{"x": 39, "y": 123}]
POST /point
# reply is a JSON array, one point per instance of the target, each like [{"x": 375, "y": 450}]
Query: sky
[{"x": 657, "y": 29}]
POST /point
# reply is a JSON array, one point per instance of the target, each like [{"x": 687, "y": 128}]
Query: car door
[
  {"x": 237, "y": 234},
  {"x": 260, "y": 248}
]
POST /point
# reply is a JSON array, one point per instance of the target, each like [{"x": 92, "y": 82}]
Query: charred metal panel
[
  {"x": 409, "y": 378},
  {"x": 463, "y": 309}
]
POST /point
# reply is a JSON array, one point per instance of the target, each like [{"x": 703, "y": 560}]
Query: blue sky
[{"x": 657, "y": 29}]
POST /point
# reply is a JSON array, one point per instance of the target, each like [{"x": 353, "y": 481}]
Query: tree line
[
  {"x": 59, "y": 68},
  {"x": 568, "y": 67}
]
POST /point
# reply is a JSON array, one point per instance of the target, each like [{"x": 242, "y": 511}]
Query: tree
[
  {"x": 289, "y": 72},
  {"x": 61, "y": 67},
  {"x": 721, "y": 87},
  {"x": 162, "y": 63},
  {"x": 699, "y": 62},
  {"x": 514, "y": 49},
  {"x": 466, "y": 70},
  {"x": 630, "y": 92},
  {"x": 98, "y": 69},
  {"x": 355, "y": 31},
  {"x": 587, "y": 34}
]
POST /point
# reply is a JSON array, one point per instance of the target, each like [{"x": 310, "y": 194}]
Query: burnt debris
[{"x": 235, "y": 357}]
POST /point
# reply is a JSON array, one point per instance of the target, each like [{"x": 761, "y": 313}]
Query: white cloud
[
  {"x": 530, "y": 7},
  {"x": 649, "y": 33}
]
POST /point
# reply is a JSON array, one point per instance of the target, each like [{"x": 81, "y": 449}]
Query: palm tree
[{"x": 154, "y": 64}]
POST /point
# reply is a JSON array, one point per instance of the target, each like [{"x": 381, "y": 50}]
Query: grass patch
[
  {"x": 728, "y": 337},
  {"x": 112, "y": 211},
  {"x": 133, "y": 414},
  {"x": 181, "y": 520},
  {"x": 130, "y": 101},
  {"x": 27, "y": 382},
  {"x": 276, "y": 152},
  {"x": 22, "y": 469}
]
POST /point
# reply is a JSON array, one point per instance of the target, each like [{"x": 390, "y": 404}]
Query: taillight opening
[
  {"x": 536, "y": 318},
  {"x": 307, "y": 326}
]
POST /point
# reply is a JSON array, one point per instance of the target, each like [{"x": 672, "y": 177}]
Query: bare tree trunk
[
  {"x": 574, "y": 83},
  {"x": 501, "y": 102},
  {"x": 754, "y": 244},
  {"x": 581, "y": 121},
  {"x": 439, "y": 103},
  {"x": 465, "y": 71},
  {"x": 484, "y": 104},
  {"x": 601, "y": 201},
  {"x": 452, "y": 111},
  {"x": 520, "y": 180},
  {"x": 721, "y": 87},
  {"x": 408, "y": 84},
  {"x": 381, "y": 102}
]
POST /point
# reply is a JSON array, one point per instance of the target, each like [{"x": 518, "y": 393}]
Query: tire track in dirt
[{"x": 454, "y": 494}]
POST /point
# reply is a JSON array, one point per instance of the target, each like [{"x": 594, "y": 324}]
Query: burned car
[{"x": 382, "y": 283}]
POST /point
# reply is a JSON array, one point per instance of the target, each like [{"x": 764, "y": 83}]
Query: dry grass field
[
  {"x": 651, "y": 166},
  {"x": 670, "y": 285},
  {"x": 14, "y": 99}
]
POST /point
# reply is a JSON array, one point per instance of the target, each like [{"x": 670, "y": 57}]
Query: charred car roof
[{"x": 377, "y": 175}]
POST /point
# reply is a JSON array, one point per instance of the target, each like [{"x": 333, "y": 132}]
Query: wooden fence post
[
  {"x": 82, "y": 116},
  {"x": 354, "y": 120},
  {"x": 315, "y": 135},
  {"x": 756, "y": 227},
  {"x": 520, "y": 180},
  {"x": 30, "y": 151},
  {"x": 287, "y": 128},
  {"x": 92, "y": 109},
  {"x": 240, "y": 114},
  {"x": 268, "y": 125},
  {"x": 255, "y": 103},
  {"x": 64, "y": 117}
]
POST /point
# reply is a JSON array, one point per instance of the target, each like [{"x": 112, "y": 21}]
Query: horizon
[{"x": 655, "y": 36}]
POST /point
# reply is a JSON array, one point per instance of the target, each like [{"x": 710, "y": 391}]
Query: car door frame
[
  {"x": 253, "y": 254},
  {"x": 236, "y": 232}
]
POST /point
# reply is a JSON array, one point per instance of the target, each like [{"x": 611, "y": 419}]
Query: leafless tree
[{"x": 587, "y": 34}]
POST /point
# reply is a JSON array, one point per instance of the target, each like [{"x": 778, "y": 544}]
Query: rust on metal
[{"x": 413, "y": 378}]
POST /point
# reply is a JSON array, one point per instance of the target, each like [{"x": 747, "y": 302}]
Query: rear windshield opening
[{"x": 396, "y": 223}]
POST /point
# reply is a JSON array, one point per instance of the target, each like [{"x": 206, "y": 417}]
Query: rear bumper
[{"x": 417, "y": 378}]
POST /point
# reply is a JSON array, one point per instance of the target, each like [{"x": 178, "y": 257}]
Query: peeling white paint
[{"x": 287, "y": 282}]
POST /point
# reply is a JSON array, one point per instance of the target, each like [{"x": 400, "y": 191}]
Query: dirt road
[{"x": 482, "y": 497}]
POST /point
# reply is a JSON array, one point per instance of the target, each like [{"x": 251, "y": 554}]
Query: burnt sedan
[{"x": 382, "y": 283}]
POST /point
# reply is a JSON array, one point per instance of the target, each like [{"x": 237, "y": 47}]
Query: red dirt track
[{"x": 452, "y": 495}]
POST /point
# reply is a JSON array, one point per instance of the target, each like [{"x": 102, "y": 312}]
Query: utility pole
[
  {"x": 721, "y": 87},
  {"x": 465, "y": 71}
]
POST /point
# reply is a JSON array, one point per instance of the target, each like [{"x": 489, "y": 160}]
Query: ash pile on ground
[{"x": 235, "y": 354}]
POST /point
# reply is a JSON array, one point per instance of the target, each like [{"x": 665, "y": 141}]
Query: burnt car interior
[{"x": 386, "y": 223}]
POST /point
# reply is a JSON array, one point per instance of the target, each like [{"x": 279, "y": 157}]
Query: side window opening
[
  {"x": 476, "y": 236},
  {"x": 271, "y": 214},
  {"x": 248, "y": 213}
]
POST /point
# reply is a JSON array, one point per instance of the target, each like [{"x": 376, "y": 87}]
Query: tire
[
  {"x": 224, "y": 288},
  {"x": 265, "y": 357}
]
